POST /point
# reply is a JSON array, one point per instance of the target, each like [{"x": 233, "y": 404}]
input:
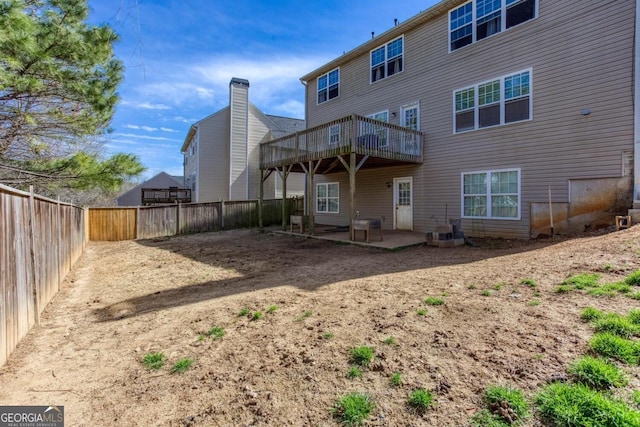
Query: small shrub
[
  {"x": 528, "y": 282},
  {"x": 272, "y": 309},
  {"x": 361, "y": 355},
  {"x": 573, "y": 405},
  {"x": 395, "y": 379},
  {"x": 616, "y": 324},
  {"x": 597, "y": 373},
  {"x": 353, "y": 408},
  {"x": 182, "y": 365},
  {"x": 244, "y": 312},
  {"x": 590, "y": 314},
  {"x": 615, "y": 347},
  {"x": 633, "y": 279},
  {"x": 216, "y": 332},
  {"x": 354, "y": 372},
  {"x": 257, "y": 315},
  {"x": 434, "y": 301},
  {"x": 154, "y": 360},
  {"x": 507, "y": 403},
  {"x": 422, "y": 312},
  {"x": 420, "y": 400}
]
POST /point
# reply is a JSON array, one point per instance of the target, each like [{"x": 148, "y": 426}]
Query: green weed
[
  {"x": 389, "y": 341},
  {"x": 597, "y": 373},
  {"x": 361, "y": 356},
  {"x": 354, "y": 372},
  {"x": 216, "y": 332},
  {"x": 395, "y": 379},
  {"x": 434, "y": 301},
  {"x": 528, "y": 282},
  {"x": 590, "y": 314},
  {"x": 422, "y": 312},
  {"x": 244, "y": 312},
  {"x": 353, "y": 408},
  {"x": 420, "y": 400},
  {"x": 615, "y": 347},
  {"x": 272, "y": 309},
  {"x": 154, "y": 360},
  {"x": 182, "y": 365}
]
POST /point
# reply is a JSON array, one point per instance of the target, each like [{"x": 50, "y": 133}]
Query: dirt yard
[{"x": 126, "y": 299}]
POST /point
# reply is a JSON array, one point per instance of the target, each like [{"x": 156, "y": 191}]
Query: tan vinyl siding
[
  {"x": 258, "y": 132},
  {"x": 580, "y": 54},
  {"x": 213, "y": 168}
]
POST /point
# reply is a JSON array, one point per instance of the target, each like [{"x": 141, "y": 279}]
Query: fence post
[
  {"x": 137, "y": 222},
  {"x": 34, "y": 258},
  {"x": 178, "y": 217},
  {"x": 222, "y": 214},
  {"x": 59, "y": 221}
]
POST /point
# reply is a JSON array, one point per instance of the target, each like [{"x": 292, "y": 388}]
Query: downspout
[
  {"x": 636, "y": 111},
  {"x": 306, "y": 120}
]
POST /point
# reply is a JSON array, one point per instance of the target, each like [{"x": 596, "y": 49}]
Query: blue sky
[{"x": 180, "y": 55}]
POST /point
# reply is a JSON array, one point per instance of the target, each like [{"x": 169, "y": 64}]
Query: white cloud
[
  {"x": 135, "y": 136},
  {"x": 163, "y": 129}
]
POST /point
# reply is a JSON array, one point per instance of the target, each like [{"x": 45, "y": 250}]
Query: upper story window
[
  {"x": 479, "y": 19},
  {"x": 387, "y": 59},
  {"x": 497, "y": 102},
  {"x": 329, "y": 86}
]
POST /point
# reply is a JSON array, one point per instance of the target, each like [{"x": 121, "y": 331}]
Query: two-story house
[
  {"x": 221, "y": 151},
  {"x": 501, "y": 113}
]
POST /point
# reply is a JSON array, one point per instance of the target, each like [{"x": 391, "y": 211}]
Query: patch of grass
[
  {"x": 244, "y": 312},
  {"x": 201, "y": 337},
  {"x": 434, "y": 301},
  {"x": 635, "y": 295},
  {"x": 422, "y": 312},
  {"x": 395, "y": 379},
  {"x": 472, "y": 286},
  {"x": 361, "y": 356},
  {"x": 353, "y": 408},
  {"x": 507, "y": 403},
  {"x": 633, "y": 279},
  {"x": 272, "y": 309},
  {"x": 354, "y": 372},
  {"x": 182, "y": 365},
  {"x": 590, "y": 314},
  {"x": 389, "y": 341},
  {"x": 563, "y": 289},
  {"x": 484, "y": 418},
  {"x": 528, "y": 282},
  {"x": 486, "y": 293},
  {"x": 498, "y": 286},
  {"x": 154, "y": 361},
  {"x": 328, "y": 335},
  {"x": 615, "y": 347},
  {"x": 616, "y": 324},
  {"x": 305, "y": 315},
  {"x": 216, "y": 332},
  {"x": 420, "y": 400},
  {"x": 635, "y": 398},
  {"x": 534, "y": 302},
  {"x": 257, "y": 315},
  {"x": 573, "y": 405},
  {"x": 597, "y": 373},
  {"x": 582, "y": 281},
  {"x": 634, "y": 316},
  {"x": 610, "y": 290}
]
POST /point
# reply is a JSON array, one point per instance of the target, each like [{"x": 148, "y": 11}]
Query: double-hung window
[
  {"x": 327, "y": 197},
  {"x": 387, "y": 60},
  {"x": 497, "y": 102},
  {"x": 493, "y": 194},
  {"x": 329, "y": 86},
  {"x": 478, "y": 19}
]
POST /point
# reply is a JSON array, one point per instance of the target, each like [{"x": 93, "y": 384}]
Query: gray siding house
[
  {"x": 503, "y": 114},
  {"x": 133, "y": 197},
  {"x": 221, "y": 151}
]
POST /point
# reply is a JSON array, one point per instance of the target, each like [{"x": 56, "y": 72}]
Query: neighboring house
[
  {"x": 520, "y": 105},
  {"x": 221, "y": 151},
  {"x": 162, "y": 180}
]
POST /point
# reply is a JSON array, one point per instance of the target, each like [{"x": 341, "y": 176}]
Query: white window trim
[
  {"x": 317, "y": 91},
  {"x": 476, "y": 107},
  {"x": 503, "y": 22},
  {"x": 409, "y": 106},
  {"x": 518, "y": 217},
  {"x": 386, "y": 59},
  {"x": 327, "y": 184}
]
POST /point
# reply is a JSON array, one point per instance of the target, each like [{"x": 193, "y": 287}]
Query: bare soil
[{"x": 126, "y": 299}]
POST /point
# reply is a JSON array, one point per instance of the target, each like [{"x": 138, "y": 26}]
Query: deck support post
[
  {"x": 352, "y": 189},
  {"x": 261, "y": 200}
]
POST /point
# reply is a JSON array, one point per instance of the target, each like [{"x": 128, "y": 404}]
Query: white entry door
[{"x": 403, "y": 203}]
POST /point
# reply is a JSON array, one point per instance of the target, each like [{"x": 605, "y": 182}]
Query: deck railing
[{"x": 349, "y": 134}]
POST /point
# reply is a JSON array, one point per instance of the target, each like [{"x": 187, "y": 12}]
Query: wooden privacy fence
[
  {"x": 40, "y": 240},
  {"x": 147, "y": 222}
]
